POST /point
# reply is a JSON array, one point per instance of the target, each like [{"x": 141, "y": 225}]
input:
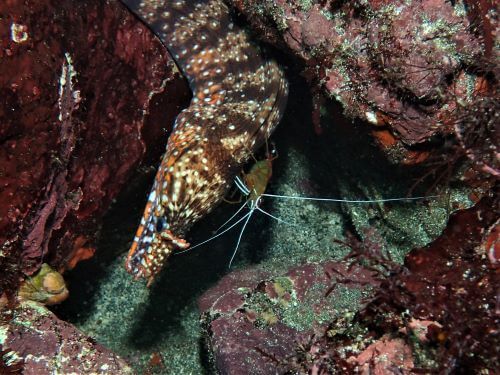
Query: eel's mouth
[{"x": 146, "y": 258}]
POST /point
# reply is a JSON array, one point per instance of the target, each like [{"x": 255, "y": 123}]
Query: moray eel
[{"x": 238, "y": 99}]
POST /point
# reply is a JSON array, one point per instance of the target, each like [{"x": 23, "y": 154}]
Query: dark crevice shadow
[
  {"x": 115, "y": 237},
  {"x": 344, "y": 154},
  {"x": 296, "y": 132}
]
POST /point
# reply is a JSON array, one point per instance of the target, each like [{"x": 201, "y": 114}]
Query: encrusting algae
[{"x": 47, "y": 287}]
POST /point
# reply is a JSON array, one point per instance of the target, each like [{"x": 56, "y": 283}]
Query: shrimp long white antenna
[
  {"x": 274, "y": 217},
  {"x": 218, "y": 234},
  {"x": 347, "y": 200},
  {"x": 232, "y": 217},
  {"x": 248, "y": 216},
  {"x": 241, "y": 185},
  {"x": 254, "y": 198}
]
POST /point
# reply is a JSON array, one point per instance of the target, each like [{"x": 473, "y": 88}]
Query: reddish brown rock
[
  {"x": 86, "y": 92},
  {"x": 40, "y": 342},
  {"x": 453, "y": 283},
  {"x": 384, "y": 357},
  {"x": 436, "y": 313},
  {"x": 256, "y": 323},
  {"x": 416, "y": 70}
]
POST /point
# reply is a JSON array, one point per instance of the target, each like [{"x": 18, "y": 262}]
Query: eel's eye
[{"x": 161, "y": 224}]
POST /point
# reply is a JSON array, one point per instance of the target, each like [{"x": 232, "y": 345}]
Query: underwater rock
[
  {"x": 40, "y": 343},
  {"x": 384, "y": 356},
  {"x": 87, "y": 93},
  {"x": 435, "y": 312},
  {"x": 413, "y": 69},
  {"x": 254, "y": 322},
  {"x": 453, "y": 283}
]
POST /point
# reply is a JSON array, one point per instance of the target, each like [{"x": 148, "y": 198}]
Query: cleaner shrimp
[{"x": 253, "y": 186}]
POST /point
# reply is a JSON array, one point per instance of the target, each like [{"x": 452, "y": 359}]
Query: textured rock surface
[
  {"x": 255, "y": 322},
  {"x": 454, "y": 282},
  {"x": 413, "y": 69},
  {"x": 85, "y": 88},
  {"x": 435, "y": 313},
  {"x": 86, "y": 94},
  {"x": 384, "y": 357},
  {"x": 43, "y": 344}
]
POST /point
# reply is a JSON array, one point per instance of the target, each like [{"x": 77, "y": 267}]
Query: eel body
[{"x": 238, "y": 99}]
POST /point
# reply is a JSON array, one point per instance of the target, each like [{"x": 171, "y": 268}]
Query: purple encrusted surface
[
  {"x": 245, "y": 314},
  {"x": 46, "y": 344},
  {"x": 412, "y": 69},
  {"x": 86, "y": 92}
]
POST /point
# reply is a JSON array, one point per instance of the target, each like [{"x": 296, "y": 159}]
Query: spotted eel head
[{"x": 153, "y": 243}]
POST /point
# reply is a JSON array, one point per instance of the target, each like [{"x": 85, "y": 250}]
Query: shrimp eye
[{"x": 161, "y": 224}]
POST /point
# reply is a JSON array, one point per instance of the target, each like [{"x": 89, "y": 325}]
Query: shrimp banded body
[{"x": 238, "y": 99}]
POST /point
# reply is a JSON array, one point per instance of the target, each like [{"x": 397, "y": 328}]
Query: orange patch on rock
[
  {"x": 80, "y": 252},
  {"x": 385, "y": 138}
]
